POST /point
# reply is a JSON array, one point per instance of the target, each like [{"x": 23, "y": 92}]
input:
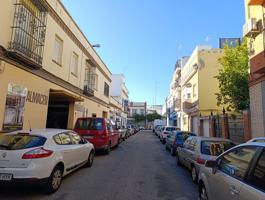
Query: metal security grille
[
  {"x": 218, "y": 126},
  {"x": 90, "y": 82},
  {"x": 236, "y": 128},
  {"x": 29, "y": 29}
]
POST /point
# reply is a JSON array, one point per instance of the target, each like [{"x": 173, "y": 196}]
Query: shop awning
[
  {"x": 256, "y": 2},
  {"x": 62, "y": 95}
]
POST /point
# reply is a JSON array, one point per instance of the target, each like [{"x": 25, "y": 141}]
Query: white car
[
  {"x": 42, "y": 156},
  {"x": 165, "y": 132}
]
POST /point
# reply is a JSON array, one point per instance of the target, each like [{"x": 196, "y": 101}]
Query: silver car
[
  {"x": 197, "y": 150},
  {"x": 239, "y": 174}
]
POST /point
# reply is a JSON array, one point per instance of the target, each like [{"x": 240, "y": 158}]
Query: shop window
[
  {"x": 74, "y": 64},
  {"x": 57, "y": 50}
]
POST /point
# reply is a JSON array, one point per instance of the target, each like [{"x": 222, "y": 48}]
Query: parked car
[
  {"x": 98, "y": 131},
  {"x": 156, "y": 129},
  {"x": 197, "y": 150},
  {"x": 130, "y": 129},
  {"x": 176, "y": 139},
  {"x": 122, "y": 133},
  {"x": 165, "y": 132},
  {"x": 159, "y": 130},
  {"x": 42, "y": 156},
  {"x": 239, "y": 173}
]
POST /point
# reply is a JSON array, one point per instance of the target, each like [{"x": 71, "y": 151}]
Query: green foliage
[
  {"x": 233, "y": 78},
  {"x": 139, "y": 118},
  {"x": 152, "y": 116}
]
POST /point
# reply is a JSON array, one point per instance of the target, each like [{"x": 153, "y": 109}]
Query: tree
[
  {"x": 139, "y": 118},
  {"x": 152, "y": 116},
  {"x": 233, "y": 78}
]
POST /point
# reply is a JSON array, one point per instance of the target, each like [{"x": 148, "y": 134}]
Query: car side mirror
[{"x": 211, "y": 164}]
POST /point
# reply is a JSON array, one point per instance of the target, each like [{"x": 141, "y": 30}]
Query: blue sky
[{"x": 144, "y": 38}]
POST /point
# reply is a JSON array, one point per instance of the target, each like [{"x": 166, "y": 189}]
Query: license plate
[
  {"x": 6, "y": 177},
  {"x": 88, "y": 137}
]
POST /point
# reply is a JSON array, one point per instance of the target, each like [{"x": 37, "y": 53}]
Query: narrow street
[{"x": 140, "y": 168}]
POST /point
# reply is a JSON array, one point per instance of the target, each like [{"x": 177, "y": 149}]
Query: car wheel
[
  {"x": 107, "y": 151},
  {"x": 172, "y": 152},
  {"x": 90, "y": 159},
  {"x": 194, "y": 175},
  {"x": 178, "y": 161},
  {"x": 54, "y": 181},
  {"x": 202, "y": 193}
]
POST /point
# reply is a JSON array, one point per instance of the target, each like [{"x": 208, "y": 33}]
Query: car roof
[{"x": 41, "y": 132}]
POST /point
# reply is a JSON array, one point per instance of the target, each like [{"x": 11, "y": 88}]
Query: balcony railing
[
  {"x": 28, "y": 32},
  {"x": 90, "y": 82}
]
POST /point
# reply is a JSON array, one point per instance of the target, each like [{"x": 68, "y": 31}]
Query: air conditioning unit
[{"x": 250, "y": 28}]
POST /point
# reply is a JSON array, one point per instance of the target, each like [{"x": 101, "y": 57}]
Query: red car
[{"x": 98, "y": 131}]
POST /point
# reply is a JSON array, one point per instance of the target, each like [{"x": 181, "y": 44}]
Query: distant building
[
  {"x": 230, "y": 42},
  {"x": 155, "y": 109},
  {"x": 119, "y": 103},
  {"x": 139, "y": 108}
]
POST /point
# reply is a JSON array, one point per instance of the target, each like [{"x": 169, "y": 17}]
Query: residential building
[
  {"x": 198, "y": 89},
  {"x": 155, "y": 109},
  {"x": 49, "y": 72},
  {"x": 119, "y": 102},
  {"x": 137, "y": 108},
  {"x": 254, "y": 31},
  {"x": 173, "y": 101}
]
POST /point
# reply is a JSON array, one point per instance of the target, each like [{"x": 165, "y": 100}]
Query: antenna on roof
[{"x": 29, "y": 126}]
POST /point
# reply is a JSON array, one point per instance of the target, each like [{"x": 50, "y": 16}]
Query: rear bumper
[
  {"x": 99, "y": 143},
  {"x": 25, "y": 182}
]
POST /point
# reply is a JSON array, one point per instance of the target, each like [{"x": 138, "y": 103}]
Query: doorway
[{"x": 58, "y": 115}]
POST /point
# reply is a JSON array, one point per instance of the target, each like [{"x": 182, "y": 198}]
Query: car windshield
[
  {"x": 215, "y": 148},
  {"x": 18, "y": 142},
  {"x": 170, "y": 129},
  {"x": 89, "y": 124}
]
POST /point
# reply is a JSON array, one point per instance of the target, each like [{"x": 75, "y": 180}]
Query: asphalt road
[{"x": 139, "y": 169}]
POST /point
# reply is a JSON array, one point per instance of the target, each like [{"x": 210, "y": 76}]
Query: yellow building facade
[
  {"x": 49, "y": 72},
  {"x": 253, "y": 30},
  {"x": 198, "y": 88}
]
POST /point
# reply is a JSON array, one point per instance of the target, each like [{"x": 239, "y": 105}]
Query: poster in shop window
[{"x": 14, "y": 108}]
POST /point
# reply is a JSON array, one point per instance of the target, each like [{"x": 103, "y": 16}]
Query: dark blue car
[{"x": 176, "y": 139}]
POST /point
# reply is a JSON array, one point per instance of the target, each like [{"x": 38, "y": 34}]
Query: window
[
  {"x": 28, "y": 30},
  {"x": 215, "y": 148},
  {"x": 236, "y": 162},
  {"x": 74, "y": 64},
  {"x": 89, "y": 124},
  {"x": 194, "y": 88},
  {"x": 106, "y": 89},
  {"x": 76, "y": 139},
  {"x": 20, "y": 141},
  {"x": 257, "y": 178},
  {"x": 91, "y": 78},
  {"x": 57, "y": 50},
  {"x": 57, "y": 139},
  {"x": 65, "y": 139}
]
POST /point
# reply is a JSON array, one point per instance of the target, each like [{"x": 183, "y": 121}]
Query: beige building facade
[
  {"x": 49, "y": 72},
  {"x": 254, "y": 31},
  {"x": 198, "y": 88}
]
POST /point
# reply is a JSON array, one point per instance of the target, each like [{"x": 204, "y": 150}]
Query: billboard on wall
[
  {"x": 14, "y": 107},
  {"x": 231, "y": 42}
]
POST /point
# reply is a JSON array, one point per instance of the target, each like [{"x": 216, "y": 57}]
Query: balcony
[
  {"x": 189, "y": 107},
  {"x": 90, "y": 82},
  {"x": 256, "y": 2},
  {"x": 257, "y": 63},
  {"x": 28, "y": 33}
]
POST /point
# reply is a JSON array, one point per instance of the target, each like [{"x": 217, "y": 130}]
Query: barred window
[{"x": 106, "y": 89}]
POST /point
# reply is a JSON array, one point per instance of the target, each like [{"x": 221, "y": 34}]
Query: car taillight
[
  {"x": 200, "y": 161},
  {"x": 37, "y": 153}
]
